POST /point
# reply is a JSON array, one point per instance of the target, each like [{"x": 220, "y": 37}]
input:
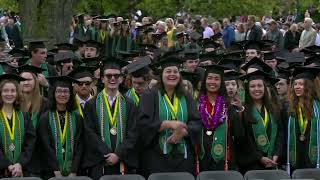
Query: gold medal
[
  {"x": 12, "y": 147},
  {"x": 218, "y": 149},
  {"x": 302, "y": 138},
  {"x": 113, "y": 131},
  {"x": 209, "y": 133},
  {"x": 262, "y": 140}
]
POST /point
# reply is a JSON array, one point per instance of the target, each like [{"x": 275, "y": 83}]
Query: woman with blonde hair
[
  {"x": 17, "y": 135},
  {"x": 303, "y": 124}
]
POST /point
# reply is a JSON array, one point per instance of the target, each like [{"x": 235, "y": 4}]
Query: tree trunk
[{"x": 48, "y": 19}]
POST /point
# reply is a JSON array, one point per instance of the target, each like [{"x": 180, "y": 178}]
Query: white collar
[{"x": 82, "y": 100}]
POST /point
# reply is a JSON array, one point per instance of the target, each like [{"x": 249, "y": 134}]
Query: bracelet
[{"x": 242, "y": 109}]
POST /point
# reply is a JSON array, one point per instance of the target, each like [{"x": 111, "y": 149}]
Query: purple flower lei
[{"x": 212, "y": 122}]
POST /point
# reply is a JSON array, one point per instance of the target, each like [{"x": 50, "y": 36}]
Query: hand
[
  {"x": 111, "y": 159},
  {"x": 176, "y": 125},
  {"x": 10, "y": 168},
  {"x": 42, "y": 80},
  {"x": 177, "y": 135},
  {"x": 72, "y": 175},
  {"x": 268, "y": 163},
  {"x": 275, "y": 159},
  {"x": 237, "y": 102},
  {"x": 57, "y": 174},
  {"x": 17, "y": 170}
]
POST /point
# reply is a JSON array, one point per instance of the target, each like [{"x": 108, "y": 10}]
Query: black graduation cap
[
  {"x": 215, "y": 69},
  {"x": 148, "y": 30},
  {"x": 314, "y": 48},
  {"x": 83, "y": 71},
  {"x": 232, "y": 64},
  {"x": 269, "y": 56},
  {"x": 125, "y": 22},
  {"x": 191, "y": 54},
  {"x": 231, "y": 75},
  {"x": 17, "y": 53},
  {"x": 36, "y": 43},
  {"x": 64, "y": 46},
  {"x": 54, "y": 80},
  {"x": 237, "y": 45},
  {"x": 7, "y": 67},
  {"x": 216, "y": 36},
  {"x": 190, "y": 76},
  {"x": 113, "y": 63},
  {"x": 139, "y": 67},
  {"x": 78, "y": 40},
  {"x": 180, "y": 34},
  {"x": 29, "y": 68},
  {"x": 169, "y": 61},
  {"x": 283, "y": 74},
  {"x": 92, "y": 62},
  {"x": 258, "y": 45},
  {"x": 258, "y": 75},
  {"x": 304, "y": 72},
  {"x": 63, "y": 57},
  {"x": 195, "y": 36},
  {"x": 210, "y": 56},
  {"x": 103, "y": 18},
  {"x": 149, "y": 47},
  {"x": 236, "y": 55},
  {"x": 258, "y": 64},
  {"x": 126, "y": 54},
  {"x": 313, "y": 60},
  {"x": 92, "y": 43},
  {"x": 159, "y": 35},
  {"x": 11, "y": 76},
  {"x": 295, "y": 57},
  {"x": 208, "y": 43}
]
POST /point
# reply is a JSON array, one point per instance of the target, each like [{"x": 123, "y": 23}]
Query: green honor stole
[
  {"x": 260, "y": 131},
  {"x": 292, "y": 137},
  {"x": 174, "y": 112},
  {"x": 64, "y": 139},
  {"x": 12, "y": 137},
  {"x": 133, "y": 95},
  {"x": 117, "y": 120}
]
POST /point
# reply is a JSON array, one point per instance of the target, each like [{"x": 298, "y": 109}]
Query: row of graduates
[{"x": 163, "y": 129}]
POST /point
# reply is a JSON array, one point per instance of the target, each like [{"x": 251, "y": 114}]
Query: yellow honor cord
[
  {"x": 79, "y": 107},
  {"x": 266, "y": 118},
  {"x": 302, "y": 122},
  {"x": 135, "y": 96},
  {"x": 112, "y": 118},
  {"x": 173, "y": 107},
  {"x": 11, "y": 132},
  {"x": 64, "y": 131}
]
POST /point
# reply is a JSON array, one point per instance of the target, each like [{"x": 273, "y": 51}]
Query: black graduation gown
[
  {"x": 236, "y": 134},
  {"x": 152, "y": 159},
  {"x": 96, "y": 149},
  {"x": 48, "y": 156},
  {"x": 26, "y": 151},
  {"x": 34, "y": 165},
  {"x": 248, "y": 154}
]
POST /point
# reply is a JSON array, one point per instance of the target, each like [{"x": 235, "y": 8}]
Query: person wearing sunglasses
[
  {"x": 83, "y": 86},
  {"x": 110, "y": 124}
]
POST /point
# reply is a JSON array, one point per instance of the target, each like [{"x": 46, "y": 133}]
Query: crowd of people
[{"x": 181, "y": 95}]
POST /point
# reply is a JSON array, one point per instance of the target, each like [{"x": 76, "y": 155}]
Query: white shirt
[
  {"x": 207, "y": 33},
  {"x": 82, "y": 102},
  {"x": 318, "y": 39}
]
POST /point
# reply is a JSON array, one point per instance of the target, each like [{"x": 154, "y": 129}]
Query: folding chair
[
  {"x": 220, "y": 175},
  {"x": 122, "y": 177},
  {"x": 71, "y": 178},
  {"x": 22, "y": 178},
  {"x": 171, "y": 176},
  {"x": 266, "y": 175},
  {"x": 306, "y": 174}
]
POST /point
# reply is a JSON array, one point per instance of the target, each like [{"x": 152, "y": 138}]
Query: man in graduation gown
[
  {"x": 110, "y": 124},
  {"x": 38, "y": 59}
]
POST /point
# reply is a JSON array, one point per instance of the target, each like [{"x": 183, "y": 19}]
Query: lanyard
[
  {"x": 174, "y": 107},
  {"x": 302, "y": 123},
  {"x": 112, "y": 118},
  {"x": 266, "y": 118},
  {"x": 64, "y": 132},
  {"x": 11, "y": 131}
]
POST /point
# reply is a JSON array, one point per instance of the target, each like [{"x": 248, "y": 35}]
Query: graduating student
[
  {"x": 168, "y": 124},
  {"x": 60, "y": 131},
  {"x": 16, "y": 131},
  {"x": 124, "y": 42},
  {"x": 110, "y": 124},
  {"x": 303, "y": 126},
  {"x": 34, "y": 104},
  {"x": 221, "y": 120},
  {"x": 83, "y": 86},
  {"x": 140, "y": 79},
  {"x": 262, "y": 120}
]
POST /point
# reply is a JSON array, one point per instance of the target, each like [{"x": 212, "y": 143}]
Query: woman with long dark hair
[
  {"x": 221, "y": 122},
  {"x": 125, "y": 41},
  {"x": 303, "y": 124},
  {"x": 168, "y": 123},
  {"x": 60, "y": 130},
  {"x": 262, "y": 120},
  {"x": 17, "y": 136}
]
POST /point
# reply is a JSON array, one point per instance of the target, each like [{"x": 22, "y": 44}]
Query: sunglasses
[
  {"x": 109, "y": 76},
  {"x": 87, "y": 83}
]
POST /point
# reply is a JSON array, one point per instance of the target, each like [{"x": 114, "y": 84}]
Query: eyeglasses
[
  {"x": 87, "y": 83},
  {"x": 109, "y": 76},
  {"x": 62, "y": 91}
]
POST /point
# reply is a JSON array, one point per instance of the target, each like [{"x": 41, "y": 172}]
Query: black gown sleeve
[
  {"x": 52, "y": 71},
  {"x": 126, "y": 150},
  {"x": 194, "y": 122},
  {"x": 78, "y": 147},
  {"x": 279, "y": 146},
  {"x": 29, "y": 141}
]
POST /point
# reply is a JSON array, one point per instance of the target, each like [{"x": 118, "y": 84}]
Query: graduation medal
[
  {"x": 303, "y": 123},
  {"x": 113, "y": 131},
  {"x": 12, "y": 147},
  {"x": 218, "y": 149},
  {"x": 302, "y": 138},
  {"x": 262, "y": 140},
  {"x": 209, "y": 133}
]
